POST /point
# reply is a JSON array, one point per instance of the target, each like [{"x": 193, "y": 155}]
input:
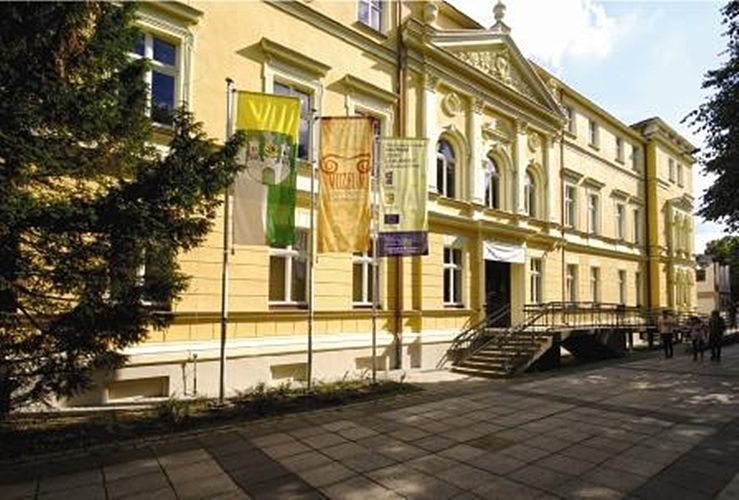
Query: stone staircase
[{"x": 502, "y": 355}]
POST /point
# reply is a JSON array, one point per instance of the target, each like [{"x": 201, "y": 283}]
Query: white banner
[{"x": 502, "y": 252}]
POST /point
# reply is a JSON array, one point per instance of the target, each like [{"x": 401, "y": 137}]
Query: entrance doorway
[{"x": 498, "y": 291}]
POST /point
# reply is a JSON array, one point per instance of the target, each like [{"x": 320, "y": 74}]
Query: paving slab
[{"x": 640, "y": 429}]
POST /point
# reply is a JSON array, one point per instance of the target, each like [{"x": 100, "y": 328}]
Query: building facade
[
  {"x": 535, "y": 193},
  {"x": 713, "y": 286}
]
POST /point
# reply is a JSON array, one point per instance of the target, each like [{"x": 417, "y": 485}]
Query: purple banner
[{"x": 403, "y": 243}]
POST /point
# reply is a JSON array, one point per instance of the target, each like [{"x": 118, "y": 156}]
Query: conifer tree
[
  {"x": 86, "y": 200},
  {"x": 718, "y": 118}
]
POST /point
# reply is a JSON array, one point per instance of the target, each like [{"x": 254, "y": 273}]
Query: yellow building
[{"x": 536, "y": 194}]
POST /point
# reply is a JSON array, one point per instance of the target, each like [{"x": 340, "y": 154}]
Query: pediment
[{"x": 496, "y": 55}]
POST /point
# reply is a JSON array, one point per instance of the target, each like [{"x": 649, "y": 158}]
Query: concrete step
[
  {"x": 482, "y": 364},
  {"x": 479, "y": 373}
]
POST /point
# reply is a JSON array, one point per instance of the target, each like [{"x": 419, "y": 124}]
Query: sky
[{"x": 635, "y": 58}]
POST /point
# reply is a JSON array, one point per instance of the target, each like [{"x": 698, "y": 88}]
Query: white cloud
[{"x": 548, "y": 31}]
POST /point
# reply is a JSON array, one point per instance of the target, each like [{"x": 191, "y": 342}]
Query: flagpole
[
  {"x": 311, "y": 247},
  {"x": 224, "y": 272},
  {"x": 375, "y": 227}
]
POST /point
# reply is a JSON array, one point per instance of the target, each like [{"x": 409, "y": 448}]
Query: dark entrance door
[{"x": 498, "y": 291}]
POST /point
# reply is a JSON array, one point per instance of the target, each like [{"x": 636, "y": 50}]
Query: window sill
[
  {"x": 594, "y": 146},
  {"x": 365, "y": 305},
  {"x": 287, "y": 306},
  {"x": 370, "y": 30},
  {"x": 453, "y": 306}
]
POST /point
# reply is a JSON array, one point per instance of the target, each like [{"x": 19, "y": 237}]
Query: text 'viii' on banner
[
  {"x": 345, "y": 169},
  {"x": 264, "y": 191},
  {"x": 403, "y": 221}
]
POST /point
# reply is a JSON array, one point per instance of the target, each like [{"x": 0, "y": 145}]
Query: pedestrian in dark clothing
[
  {"x": 716, "y": 328},
  {"x": 665, "y": 332},
  {"x": 698, "y": 336}
]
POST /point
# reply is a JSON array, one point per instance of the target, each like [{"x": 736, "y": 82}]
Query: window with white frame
[
  {"x": 362, "y": 279},
  {"x": 288, "y": 272},
  {"x": 593, "y": 133},
  {"x": 638, "y": 288},
  {"x": 570, "y": 205},
  {"x": 619, "y": 150},
  {"x": 492, "y": 183},
  {"x": 637, "y": 226},
  {"x": 571, "y": 283},
  {"x": 680, "y": 180},
  {"x": 571, "y": 123},
  {"x": 595, "y": 284},
  {"x": 306, "y": 115},
  {"x": 535, "y": 281},
  {"x": 453, "y": 269},
  {"x": 162, "y": 76},
  {"x": 634, "y": 157},
  {"x": 621, "y": 286},
  {"x": 671, "y": 167},
  {"x": 446, "y": 164},
  {"x": 620, "y": 221},
  {"x": 369, "y": 12},
  {"x": 529, "y": 195},
  {"x": 593, "y": 213}
]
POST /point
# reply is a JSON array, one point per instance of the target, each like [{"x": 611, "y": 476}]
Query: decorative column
[
  {"x": 476, "y": 174},
  {"x": 519, "y": 164},
  {"x": 429, "y": 127}
]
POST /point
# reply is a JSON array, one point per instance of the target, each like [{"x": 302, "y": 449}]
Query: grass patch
[{"x": 23, "y": 435}]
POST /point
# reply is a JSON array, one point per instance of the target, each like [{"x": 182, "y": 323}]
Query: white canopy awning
[{"x": 504, "y": 252}]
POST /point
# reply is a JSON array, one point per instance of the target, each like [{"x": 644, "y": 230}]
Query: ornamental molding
[
  {"x": 451, "y": 104},
  {"x": 497, "y": 64}
]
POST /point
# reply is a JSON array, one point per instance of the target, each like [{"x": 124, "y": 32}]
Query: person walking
[
  {"x": 698, "y": 336},
  {"x": 716, "y": 328},
  {"x": 665, "y": 333}
]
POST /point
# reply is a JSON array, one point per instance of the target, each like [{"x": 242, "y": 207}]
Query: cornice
[
  {"x": 178, "y": 10},
  {"x": 274, "y": 50},
  {"x": 318, "y": 20},
  {"x": 358, "y": 85}
]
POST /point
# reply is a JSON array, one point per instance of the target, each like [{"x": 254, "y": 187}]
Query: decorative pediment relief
[{"x": 497, "y": 63}]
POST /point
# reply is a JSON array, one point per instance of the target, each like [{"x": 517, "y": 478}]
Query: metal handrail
[{"x": 466, "y": 339}]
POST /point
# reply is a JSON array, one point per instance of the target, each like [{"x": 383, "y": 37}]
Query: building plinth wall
[{"x": 535, "y": 193}]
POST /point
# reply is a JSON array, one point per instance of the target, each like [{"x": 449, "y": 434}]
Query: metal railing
[{"x": 475, "y": 335}]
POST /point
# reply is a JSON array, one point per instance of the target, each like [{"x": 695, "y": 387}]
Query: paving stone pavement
[{"x": 640, "y": 429}]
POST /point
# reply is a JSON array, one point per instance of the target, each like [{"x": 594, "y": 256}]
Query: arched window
[
  {"x": 446, "y": 163},
  {"x": 492, "y": 183},
  {"x": 529, "y": 195}
]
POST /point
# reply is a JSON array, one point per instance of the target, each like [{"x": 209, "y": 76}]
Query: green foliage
[
  {"x": 175, "y": 412},
  {"x": 718, "y": 118},
  {"x": 86, "y": 199}
]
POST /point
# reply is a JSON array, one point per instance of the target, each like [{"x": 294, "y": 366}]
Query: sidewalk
[{"x": 644, "y": 429}]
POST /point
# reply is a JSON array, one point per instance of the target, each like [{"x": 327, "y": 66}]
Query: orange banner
[{"x": 345, "y": 169}]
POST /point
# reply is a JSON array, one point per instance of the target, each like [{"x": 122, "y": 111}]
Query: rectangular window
[
  {"x": 635, "y": 157},
  {"x": 621, "y": 286},
  {"x": 570, "y": 205},
  {"x": 700, "y": 275},
  {"x": 362, "y": 279},
  {"x": 593, "y": 133},
  {"x": 593, "y": 213},
  {"x": 306, "y": 116},
  {"x": 453, "y": 276},
  {"x": 535, "y": 281},
  {"x": 595, "y": 284},
  {"x": 680, "y": 180},
  {"x": 619, "y": 150},
  {"x": 370, "y": 13},
  {"x": 571, "y": 123},
  {"x": 671, "y": 166},
  {"x": 639, "y": 287},
  {"x": 571, "y": 283},
  {"x": 620, "y": 221},
  {"x": 161, "y": 77},
  {"x": 288, "y": 272},
  {"x": 637, "y": 226}
]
